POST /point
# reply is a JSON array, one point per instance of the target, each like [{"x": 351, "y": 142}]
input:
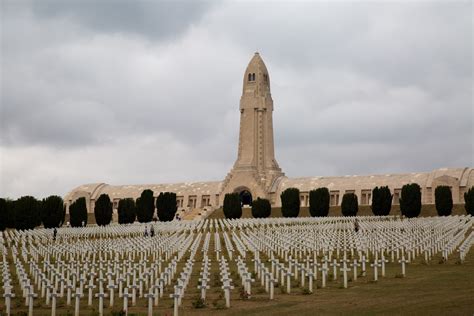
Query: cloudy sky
[{"x": 130, "y": 92}]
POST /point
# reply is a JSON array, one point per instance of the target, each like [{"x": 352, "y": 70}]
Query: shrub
[
  {"x": 261, "y": 208},
  {"x": 103, "y": 210},
  {"x": 126, "y": 211},
  {"x": 381, "y": 201},
  {"x": 166, "y": 206},
  {"x": 27, "y": 213},
  {"x": 469, "y": 201},
  {"x": 198, "y": 302},
  {"x": 232, "y": 207},
  {"x": 349, "y": 204},
  {"x": 78, "y": 212},
  {"x": 410, "y": 201},
  {"x": 145, "y": 206},
  {"x": 290, "y": 202},
  {"x": 119, "y": 312},
  {"x": 443, "y": 200},
  {"x": 52, "y": 211},
  {"x": 319, "y": 202}
]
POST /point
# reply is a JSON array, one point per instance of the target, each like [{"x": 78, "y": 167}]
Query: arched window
[
  {"x": 250, "y": 77},
  {"x": 253, "y": 77}
]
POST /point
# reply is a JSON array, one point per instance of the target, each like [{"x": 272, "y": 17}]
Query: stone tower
[{"x": 255, "y": 170}]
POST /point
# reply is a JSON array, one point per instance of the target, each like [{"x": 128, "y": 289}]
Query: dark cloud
[{"x": 154, "y": 19}]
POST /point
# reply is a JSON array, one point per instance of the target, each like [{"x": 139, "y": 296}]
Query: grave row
[{"x": 93, "y": 266}]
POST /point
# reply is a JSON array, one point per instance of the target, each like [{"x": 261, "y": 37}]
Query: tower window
[
  {"x": 253, "y": 77},
  {"x": 250, "y": 77}
]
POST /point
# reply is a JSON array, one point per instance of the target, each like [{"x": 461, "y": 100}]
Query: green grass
[{"x": 428, "y": 289}]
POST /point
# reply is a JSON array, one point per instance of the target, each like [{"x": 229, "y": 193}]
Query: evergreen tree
[
  {"x": 469, "y": 201},
  {"x": 7, "y": 214},
  {"x": 103, "y": 210},
  {"x": 290, "y": 202},
  {"x": 27, "y": 213},
  {"x": 166, "y": 206},
  {"x": 349, "y": 204},
  {"x": 145, "y": 206},
  {"x": 410, "y": 201},
  {"x": 78, "y": 212},
  {"x": 443, "y": 200},
  {"x": 381, "y": 201},
  {"x": 261, "y": 208},
  {"x": 127, "y": 212},
  {"x": 3, "y": 214},
  {"x": 232, "y": 207},
  {"x": 10, "y": 213},
  {"x": 319, "y": 202},
  {"x": 52, "y": 211}
]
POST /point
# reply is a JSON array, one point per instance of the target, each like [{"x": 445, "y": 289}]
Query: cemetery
[
  {"x": 138, "y": 91},
  {"x": 235, "y": 266}
]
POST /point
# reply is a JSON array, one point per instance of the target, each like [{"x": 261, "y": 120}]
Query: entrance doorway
[{"x": 245, "y": 197}]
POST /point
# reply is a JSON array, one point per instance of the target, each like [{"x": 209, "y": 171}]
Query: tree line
[
  {"x": 28, "y": 212},
  {"x": 319, "y": 202}
]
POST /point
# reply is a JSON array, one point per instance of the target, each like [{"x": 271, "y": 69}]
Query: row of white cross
[{"x": 102, "y": 262}]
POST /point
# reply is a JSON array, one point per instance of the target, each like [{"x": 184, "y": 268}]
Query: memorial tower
[{"x": 255, "y": 170}]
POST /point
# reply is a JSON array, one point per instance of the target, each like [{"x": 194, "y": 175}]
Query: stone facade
[{"x": 256, "y": 171}]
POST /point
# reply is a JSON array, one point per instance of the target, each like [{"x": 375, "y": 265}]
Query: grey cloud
[
  {"x": 359, "y": 88},
  {"x": 404, "y": 43},
  {"x": 154, "y": 19}
]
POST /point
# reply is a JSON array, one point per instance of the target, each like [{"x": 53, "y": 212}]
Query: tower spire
[{"x": 255, "y": 168}]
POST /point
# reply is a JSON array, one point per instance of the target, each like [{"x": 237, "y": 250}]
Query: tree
[
  {"x": 261, "y": 208},
  {"x": 319, "y": 202},
  {"x": 127, "y": 211},
  {"x": 290, "y": 202},
  {"x": 469, "y": 201},
  {"x": 78, "y": 212},
  {"x": 3, "y": 214},
  {"x": 443, "y": 200},
  {"x": 232, "y": 207},
  {"x": 166, "y": 206},
  {"x": 10, "y": 213},
  {"x": 52, "y": 211},
  {"x": 27, "y": 213},
  {"x": 349, "y": 204},
  {"x": 103, "y": 210},
  {"x": 7, "y": 214},
  {"x": 410, "y": 201},
  {"x": 145, "y": 206},
  {"x": 381, "y": 201}
]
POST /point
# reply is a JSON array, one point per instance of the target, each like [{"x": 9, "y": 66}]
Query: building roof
[
  {"x": 352, "y": 182},
  {"x": 465, "y": 176},
  {"x": 134, "y": 191}
]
